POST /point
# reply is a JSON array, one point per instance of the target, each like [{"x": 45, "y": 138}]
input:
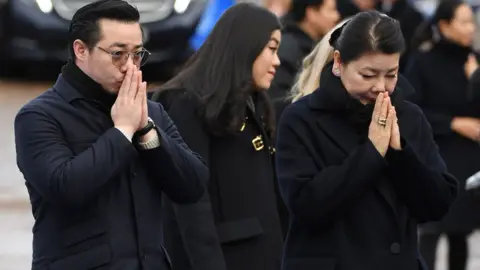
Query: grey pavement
[{"x": 15, "y": 215}]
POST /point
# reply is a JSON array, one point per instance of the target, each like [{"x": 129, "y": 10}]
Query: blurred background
[{"x": 33, "y": 48}]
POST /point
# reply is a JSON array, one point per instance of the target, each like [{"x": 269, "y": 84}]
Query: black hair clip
[{"x": 336, "y": 34}]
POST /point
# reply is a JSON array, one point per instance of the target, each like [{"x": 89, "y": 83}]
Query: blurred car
[
  {"x": 37, "y": 30},
  {"x": 210, "y": 17}
]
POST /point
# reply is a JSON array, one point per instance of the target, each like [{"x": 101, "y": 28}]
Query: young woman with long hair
[{"x": 219, "y": 104}]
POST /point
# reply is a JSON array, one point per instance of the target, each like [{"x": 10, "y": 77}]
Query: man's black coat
[{"x": 96, "y": 197}]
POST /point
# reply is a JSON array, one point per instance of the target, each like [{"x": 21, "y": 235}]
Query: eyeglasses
[{"x": 119, "y": 58}]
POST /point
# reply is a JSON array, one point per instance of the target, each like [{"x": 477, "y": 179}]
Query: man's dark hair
[
  {"x": 298, "y": 9},
  {"x": 220, "y": 72},
  {"x": 84, "y": 24},
  {"x": 368, "y": 32}
]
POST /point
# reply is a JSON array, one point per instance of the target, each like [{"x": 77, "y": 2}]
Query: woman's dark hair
[
  {"x": 220, "y": 72},
  {"x": 426, "y": 31},
  {"x": 368, "y": 32}
]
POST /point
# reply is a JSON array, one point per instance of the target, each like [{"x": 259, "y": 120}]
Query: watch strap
[{"x": 142, "y": 132}]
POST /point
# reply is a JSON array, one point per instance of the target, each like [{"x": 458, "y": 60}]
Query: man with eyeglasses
[{"x": 97, "y": 155}]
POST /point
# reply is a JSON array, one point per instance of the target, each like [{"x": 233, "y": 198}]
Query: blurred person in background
[
  {"x": 220, "y": 105},
  {"x": 308, "y": 79},
  {"x": 96, "y": 155},
  {"x": 348, "y": 8},
  {"x": 278, "y": 7},
  {"x": 357, "y": 165},
  {"x": 408, "y": 16},
  {"x": 305, "y": 24},
  {"x": 440, "y": 73}
]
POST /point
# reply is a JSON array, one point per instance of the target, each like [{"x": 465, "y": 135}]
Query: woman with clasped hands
[{"x": 357, "y": 165}]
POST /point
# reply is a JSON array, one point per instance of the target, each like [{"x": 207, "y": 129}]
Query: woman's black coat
[
  {"x": 441, "y": 90},
  {"x": 350, "y": 208},
  {"x": 236, "y": 225}
]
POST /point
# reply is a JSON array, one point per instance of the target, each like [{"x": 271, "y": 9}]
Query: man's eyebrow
[{"x": 123, "y": 45}]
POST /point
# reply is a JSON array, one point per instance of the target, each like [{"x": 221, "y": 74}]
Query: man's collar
[
  {"x": 66, "y": 90},
  {"x": 79, "y": 85}
]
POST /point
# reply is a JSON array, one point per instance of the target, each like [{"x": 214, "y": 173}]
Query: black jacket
[
  {"x": 351, "y": 208},
  {"x": 96, "y": 197},
  {"x": 236, "y": 225},
  {"x": 442, "y": 90}
]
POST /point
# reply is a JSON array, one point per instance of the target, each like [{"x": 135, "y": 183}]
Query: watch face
[{"x": 150, "y": 120}]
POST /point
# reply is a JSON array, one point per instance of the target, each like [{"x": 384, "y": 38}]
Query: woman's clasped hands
[{"x": 384, "y": 131}]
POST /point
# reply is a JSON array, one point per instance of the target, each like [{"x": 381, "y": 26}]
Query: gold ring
[{"x": 382, "y": 121}]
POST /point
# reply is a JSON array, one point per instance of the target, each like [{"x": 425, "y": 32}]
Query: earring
[{"x": 336, "y": 72}]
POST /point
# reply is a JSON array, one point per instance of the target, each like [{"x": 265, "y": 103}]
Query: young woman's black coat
[
  {"x": 351, "y": 208},
  {"x": 236, "y": 225},
  {"x": 441, "y": 90}
]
